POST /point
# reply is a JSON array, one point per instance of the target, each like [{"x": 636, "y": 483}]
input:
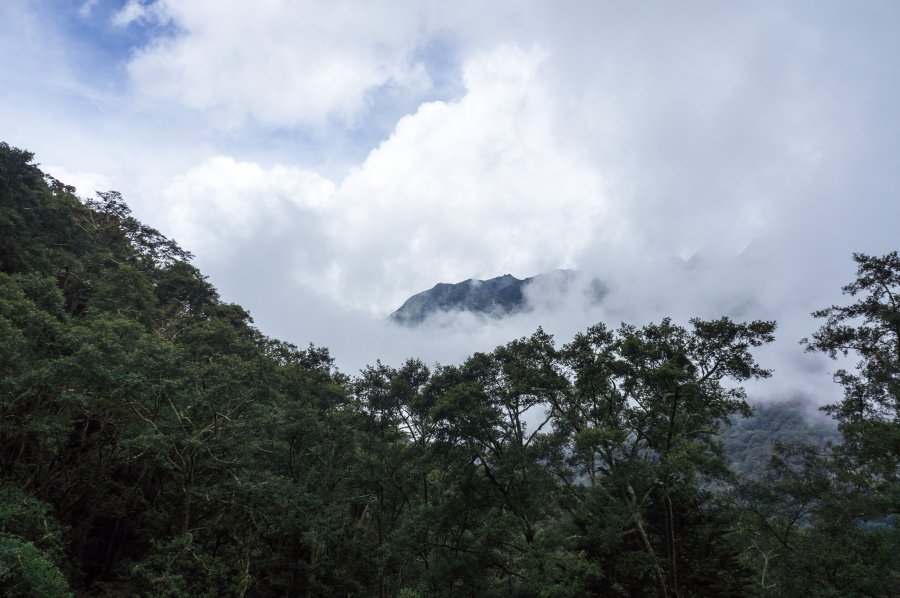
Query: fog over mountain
[
  {"x": 699, "y": 159},
  {"x": 493, "y": 298},
  {"x": 156, "y": 443}
]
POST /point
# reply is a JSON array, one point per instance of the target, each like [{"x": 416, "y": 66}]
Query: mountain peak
[{"x": 495, "y": 297}]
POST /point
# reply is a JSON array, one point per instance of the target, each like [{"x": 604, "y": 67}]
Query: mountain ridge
[{"x": 494, "y": 297}]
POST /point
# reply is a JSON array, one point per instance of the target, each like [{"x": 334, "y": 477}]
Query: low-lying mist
[{"x": 708, "y": 287}]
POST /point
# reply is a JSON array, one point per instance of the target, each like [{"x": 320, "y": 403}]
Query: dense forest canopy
[{"x": 154, "y": 443}]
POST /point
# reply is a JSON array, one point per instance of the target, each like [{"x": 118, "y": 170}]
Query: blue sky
[{"x": 324, "y": 161}]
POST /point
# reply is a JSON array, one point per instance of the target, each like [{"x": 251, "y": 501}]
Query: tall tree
[
  {"x": 642, "y": 419},
  {"x": 825, "y": 522},
  {"x": 869, "y": 414}
]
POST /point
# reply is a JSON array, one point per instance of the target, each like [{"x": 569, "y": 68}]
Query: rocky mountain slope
[{"x": 495, "y": 297}]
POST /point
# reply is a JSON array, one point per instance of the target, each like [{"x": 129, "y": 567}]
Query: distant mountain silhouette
[{"x": 496, "y": 297}]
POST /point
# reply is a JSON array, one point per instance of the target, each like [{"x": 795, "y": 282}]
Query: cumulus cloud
[
  {"x": 279, "y": 63},
  {"x": 476, "y": 187},
  {"x": 219, "y": 204},
  {"x": 473, "y": 188},
  {"x": 326, "y": 161}
]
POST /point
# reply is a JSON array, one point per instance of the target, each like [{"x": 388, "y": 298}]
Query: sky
[{"x": 326, "y": 160}]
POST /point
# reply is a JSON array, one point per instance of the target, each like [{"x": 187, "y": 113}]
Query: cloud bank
[
  {"x": 326, "y": 162},
  {"x": 278, "y": 63},
  {"x": 460, "y": 189}
]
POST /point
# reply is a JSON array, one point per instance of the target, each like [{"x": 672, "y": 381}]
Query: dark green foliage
[
  {"x": 639, "y": 455},
  {"x": 749, "y": 441},
  {"x": 154, "y": 443},
  {"x": 27, "y": 571},
  {"x": 824, "y": 521},
  {"x": 869, "y": 330}
]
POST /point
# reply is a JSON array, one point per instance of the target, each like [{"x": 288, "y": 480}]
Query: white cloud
[
  {"x": 86, "y": 183},
  {"x": 279, "y": 63},
  {"x": 477, "y": 187},
  {"x": 216, "y": 205},
  {"x": 604, "y": 136},
  {"x": 86, "y": 8},
  {"x": 132, "y": 12}
]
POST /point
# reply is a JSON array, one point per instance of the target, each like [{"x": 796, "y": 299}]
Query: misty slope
[
  {"x": 495, "y": 297},
  {"x": 749, "y": 442}
]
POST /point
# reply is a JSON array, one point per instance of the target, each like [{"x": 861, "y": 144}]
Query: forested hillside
[
  {"x": 750, "y": 441},
  {"x": 154, "y": 443}
]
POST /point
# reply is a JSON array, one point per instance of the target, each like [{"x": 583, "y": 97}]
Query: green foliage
[
  {"x": 869, "y": 329},
  {"x": 638, "y": 429},
  {"x": 750, "y": 441},
  {"x": 27, "y": 571},
  {"x": 825, "y": 522},
  {"x": 154, "y": 443}
]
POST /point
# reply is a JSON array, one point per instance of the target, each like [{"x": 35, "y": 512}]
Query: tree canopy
[{"x": 153, "y": 442}]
